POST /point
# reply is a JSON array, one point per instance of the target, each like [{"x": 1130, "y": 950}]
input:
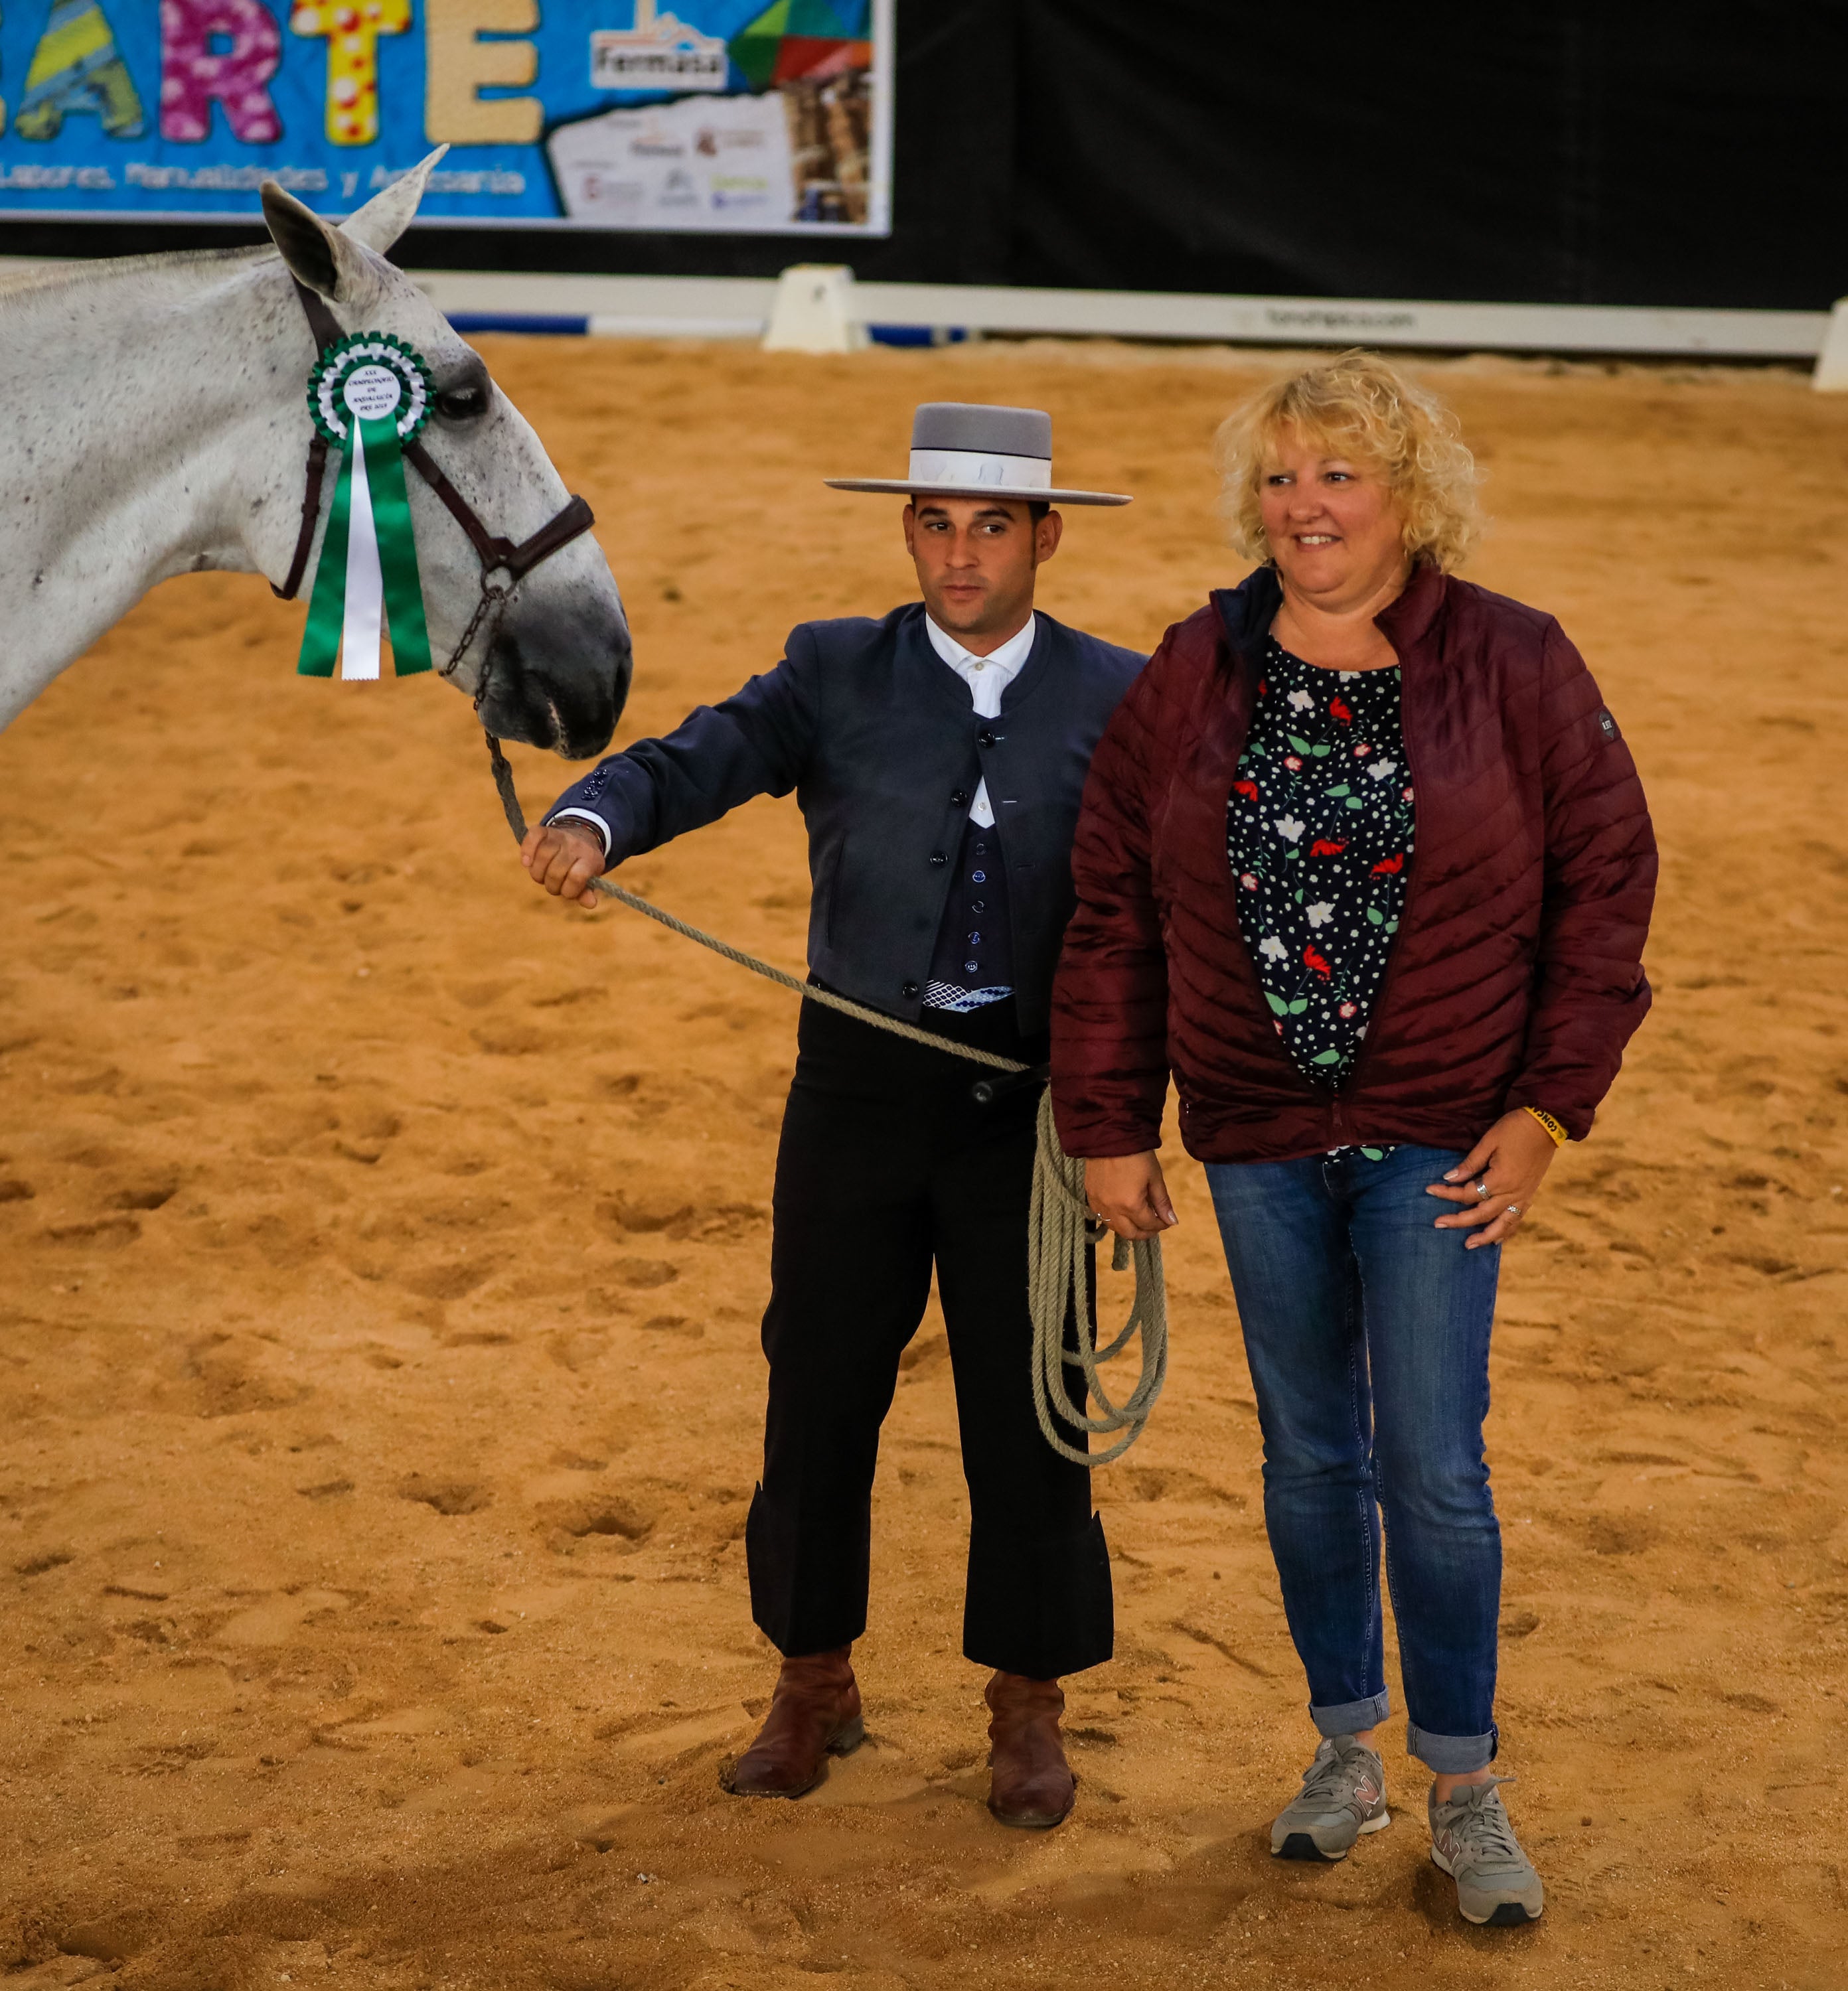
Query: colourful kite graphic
[{"x": 811, "y": 38}]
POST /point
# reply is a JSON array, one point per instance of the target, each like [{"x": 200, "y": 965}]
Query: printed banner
[{"x": 723, "y": 114}]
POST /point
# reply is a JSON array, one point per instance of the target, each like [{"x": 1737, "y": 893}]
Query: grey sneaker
[
  {"x": 1472, "y": 1840},
  {"x": 1343, "y": 1794}
]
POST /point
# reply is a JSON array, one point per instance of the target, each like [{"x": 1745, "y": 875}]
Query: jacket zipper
[{"x": 1311, "y": 1089}]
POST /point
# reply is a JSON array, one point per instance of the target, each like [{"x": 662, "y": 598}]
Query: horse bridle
[{"x": 497, "y": 555}]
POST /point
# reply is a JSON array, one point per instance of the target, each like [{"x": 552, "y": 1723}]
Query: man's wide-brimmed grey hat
[{"x": 967, "y": 449}]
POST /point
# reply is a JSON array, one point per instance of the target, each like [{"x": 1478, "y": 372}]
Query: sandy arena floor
[{"x": 383, "y": 1248}]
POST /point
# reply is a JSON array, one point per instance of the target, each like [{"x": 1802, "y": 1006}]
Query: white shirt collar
[
  {"x": 999, "y": 667},
  {"x": 986, "y": 678}
]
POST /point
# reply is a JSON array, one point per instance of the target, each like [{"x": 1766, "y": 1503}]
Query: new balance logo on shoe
[{"x": 1343, "y": 1794}]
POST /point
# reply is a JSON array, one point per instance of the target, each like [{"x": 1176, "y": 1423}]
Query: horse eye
[{"x": 463, "y": 404}]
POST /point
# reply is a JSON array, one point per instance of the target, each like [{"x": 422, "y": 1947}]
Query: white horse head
[
  {"x": 559, "y": 664},
  {"x": 155, "y": 422}
]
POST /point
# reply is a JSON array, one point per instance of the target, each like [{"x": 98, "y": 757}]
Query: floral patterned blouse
[{"x": 1319, "y": 832}]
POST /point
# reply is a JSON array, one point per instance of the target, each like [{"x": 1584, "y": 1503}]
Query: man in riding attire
[{"x": 937, "y": 756}]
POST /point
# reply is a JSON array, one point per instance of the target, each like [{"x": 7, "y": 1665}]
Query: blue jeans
[{"x": 1367, "y": 1333}]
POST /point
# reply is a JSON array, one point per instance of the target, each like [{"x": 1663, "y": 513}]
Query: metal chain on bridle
[{"x": 1062, "y": 1235}]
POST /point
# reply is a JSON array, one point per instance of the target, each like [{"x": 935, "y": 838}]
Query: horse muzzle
[{"x": 558, "y": 680}]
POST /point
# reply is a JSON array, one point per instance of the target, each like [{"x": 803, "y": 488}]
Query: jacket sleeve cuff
[
  {"x": 584, "y": 815},
  {"x": 1114, "y": 1147},
  {"x": 1087, "y": 1135}
]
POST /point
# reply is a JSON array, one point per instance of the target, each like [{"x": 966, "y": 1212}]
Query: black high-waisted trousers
[{"x": 887, "y": 1166}]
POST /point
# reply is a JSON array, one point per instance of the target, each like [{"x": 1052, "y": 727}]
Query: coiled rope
[{"x": 1061, "y": 1234}]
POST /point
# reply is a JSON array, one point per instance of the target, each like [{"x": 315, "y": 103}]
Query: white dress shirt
[{"x": 986, "y": 678}]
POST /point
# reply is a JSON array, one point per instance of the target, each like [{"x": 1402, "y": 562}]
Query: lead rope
[{"x": 1061, "y": 1234}]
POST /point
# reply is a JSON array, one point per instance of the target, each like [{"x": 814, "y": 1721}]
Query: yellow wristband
[{"x": 1561, "y": 1137}]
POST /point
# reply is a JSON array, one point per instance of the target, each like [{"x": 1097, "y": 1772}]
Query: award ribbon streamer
[{"x": 367, "y": 568}]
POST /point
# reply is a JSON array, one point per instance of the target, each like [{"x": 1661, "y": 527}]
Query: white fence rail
[{"x": 740, "y": 307}]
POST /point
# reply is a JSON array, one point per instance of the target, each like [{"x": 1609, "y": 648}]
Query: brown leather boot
[
  {"x": 813, "y": 1714},
  {"x": 1029, "y": 1783}
]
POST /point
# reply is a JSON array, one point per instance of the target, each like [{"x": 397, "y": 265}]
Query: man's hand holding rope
[{"x": 564, "y": 860}]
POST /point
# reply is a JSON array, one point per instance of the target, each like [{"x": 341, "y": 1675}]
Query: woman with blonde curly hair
[{"x": 1364, "y": 862}]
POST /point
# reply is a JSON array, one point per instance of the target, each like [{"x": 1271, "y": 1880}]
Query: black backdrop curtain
[{"x": 1640, "y": 154}]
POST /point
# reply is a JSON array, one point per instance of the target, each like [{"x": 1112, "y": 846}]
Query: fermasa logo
[{"x": 659, "y": 52}]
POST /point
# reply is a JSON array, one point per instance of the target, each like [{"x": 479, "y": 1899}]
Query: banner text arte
[{"x": 226, "y": 53}]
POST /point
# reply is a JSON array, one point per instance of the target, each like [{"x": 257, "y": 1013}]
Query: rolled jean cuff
[
  {"x": 1451, "y": 1755},
  {"x": 1351, "y": 1715}
]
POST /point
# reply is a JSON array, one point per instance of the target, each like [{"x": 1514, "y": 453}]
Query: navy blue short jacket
[{"x": 880, "y": 741}]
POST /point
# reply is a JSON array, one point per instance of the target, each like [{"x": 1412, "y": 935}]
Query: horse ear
[
  {"x": 386, "y": 215},
  {"x": 316, "y": 252}
]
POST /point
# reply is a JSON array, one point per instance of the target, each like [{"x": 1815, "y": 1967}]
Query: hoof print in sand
[
  {"x": 1176, "y": 1484},
  {"x": 224, "y": 1385},
  {"x": 577, "y": 1350},
  {"x": 673, "y": 1323},
  {"x": 568, "y": 1522},
  {"x": 453, "y": 1281},
  {"x": 446, "y": 1496},
  {"x": 711, "y": 1223},
  {"x": 645, "y": 1272},
  {"x": 46, "y": 1559},
  {"x": 101, "y": 1233},
  {"x": 145, "y": 1196},
  {"x": 113, "y": 1939}
]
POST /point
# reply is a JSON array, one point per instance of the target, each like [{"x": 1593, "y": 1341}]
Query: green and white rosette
[{"x": 369, "y": 395}]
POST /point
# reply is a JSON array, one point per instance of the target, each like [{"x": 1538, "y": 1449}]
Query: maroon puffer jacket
[{"x": 1515, "y": 977}]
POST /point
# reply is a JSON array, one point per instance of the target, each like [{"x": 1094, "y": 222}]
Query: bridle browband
[{"x": 497, "y": 555}]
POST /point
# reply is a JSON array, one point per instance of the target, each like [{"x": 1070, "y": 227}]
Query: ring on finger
[
  {"x": 1513, "y": 1210},
  {"x": 1481, "y": 1188}
]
